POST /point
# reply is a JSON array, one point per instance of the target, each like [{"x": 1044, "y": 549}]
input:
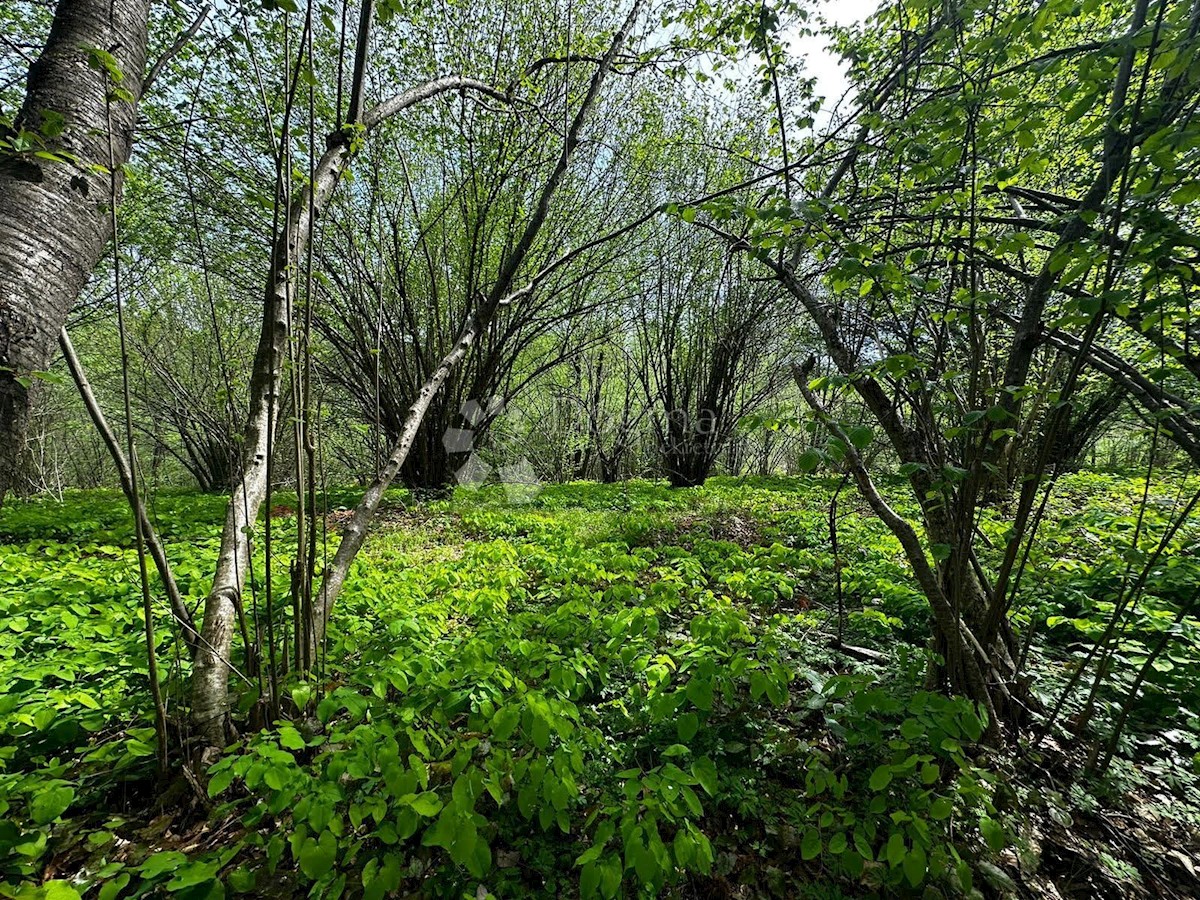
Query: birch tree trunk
[{"x": 54, "y": 220}]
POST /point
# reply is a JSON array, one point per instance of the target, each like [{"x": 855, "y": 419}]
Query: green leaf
[
  {"x": 589, "y": 881},
  {"x": 193, "y": 874},
  {"x": 327, "y": 709},
  {"x": 301, "y": 694},
  {"x": 860, "y": 436},
  {"x": 687, "y": 726},
  {"x": 220, "y": 782},
  {"x": 705, "y": 771},
  {"x": 426, "y": 804},
  {"x": 1081, "y": 107},
  {"x": 862, "y": 846},
  {"x": 881, "y": 778},
  {"x": 972, "y": 726},
  {"x": 1188, "y": 193},
  {"x": 111, "y": 888},
  {"x": 915, "y": 865},
  {"x": 810, "y": 844},
  {"x": 290, "y": 738},
  {"x": 941, "y": 808},
  {"x": 50, "y": 803},
  {"x": 241, "y": 880},
  {"x": 993, "y": 833},
  {"x": 317, "y": 856},
  {"x": 684, "y": 847},
  {"x": 505, "y": 722},
  {"x": 161, "y": 863},
  {"x": 895, "y": 851},
  {"x": 59, "y": 890},
  {"x": 541, "y": 732},
  {"x": 700, "y": 692}
]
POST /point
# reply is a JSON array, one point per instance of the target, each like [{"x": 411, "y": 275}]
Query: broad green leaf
[
  {"x": 881, "y": 778},
  {"x": 810, "y": 844},
  {"x": 915, "y": 865},
  {"x": 50, "y": 803},
  {"x": 705, "y": 771}
]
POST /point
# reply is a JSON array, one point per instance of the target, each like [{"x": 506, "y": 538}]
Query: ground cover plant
[
  {"x": 610, "y": 689},
  {"x": 561, "y": 448}
]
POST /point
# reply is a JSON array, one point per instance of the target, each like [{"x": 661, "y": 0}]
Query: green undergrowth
[{"x": 609, "y": 691}]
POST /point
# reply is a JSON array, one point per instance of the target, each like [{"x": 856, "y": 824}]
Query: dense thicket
[{"x": 273, "y": 252}]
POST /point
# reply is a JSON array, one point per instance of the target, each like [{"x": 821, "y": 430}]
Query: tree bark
[
  {"x": 356, "y": 531},
  {"x": 965, "y": 660},
  {"x": 54, "y": 219}
]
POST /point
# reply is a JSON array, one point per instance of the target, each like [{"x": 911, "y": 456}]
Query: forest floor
[{"x": 610, "y": 690}]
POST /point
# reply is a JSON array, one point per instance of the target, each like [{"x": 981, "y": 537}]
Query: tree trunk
[
  {"x": 355, "y": 533},
  {"x": 179, "y": 610},
  {"x": 54, "y": 219},
  {"x": 429, "y": 468},
  {"x": 210, "y": 675},
  {"x": 688, "y": 451}
]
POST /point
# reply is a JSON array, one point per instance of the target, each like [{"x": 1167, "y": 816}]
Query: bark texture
[{"x": 54, "y": 220}]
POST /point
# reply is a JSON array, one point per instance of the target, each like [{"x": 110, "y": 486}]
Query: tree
[
  {"x": 952, "y": 250},
  {"x": 210, "y": 702},
  {"x": 74, "y": 128},
  {"x": 708, "y": 338},
  {"x": 586, "y": 417},
  {"x": 426, "y": 243},
  {"x": 499, "y": 295}
]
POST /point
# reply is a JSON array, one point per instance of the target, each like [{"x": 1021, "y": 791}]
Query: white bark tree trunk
[{"x": 54, "y": 220}]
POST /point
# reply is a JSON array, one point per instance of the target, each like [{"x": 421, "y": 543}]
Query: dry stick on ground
[
  {"x": 125, "y": 472},
  {"x": 356, "y": 532}
]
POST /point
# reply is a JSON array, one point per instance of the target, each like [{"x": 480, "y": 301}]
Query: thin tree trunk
[
  {"x": 54, "y": 220},
  {"x": 125, "y": 472},
  {"x": 965, "y": 659},
  {"x": 210, "y": 675},
  {"x": 356, "y": 532}
]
